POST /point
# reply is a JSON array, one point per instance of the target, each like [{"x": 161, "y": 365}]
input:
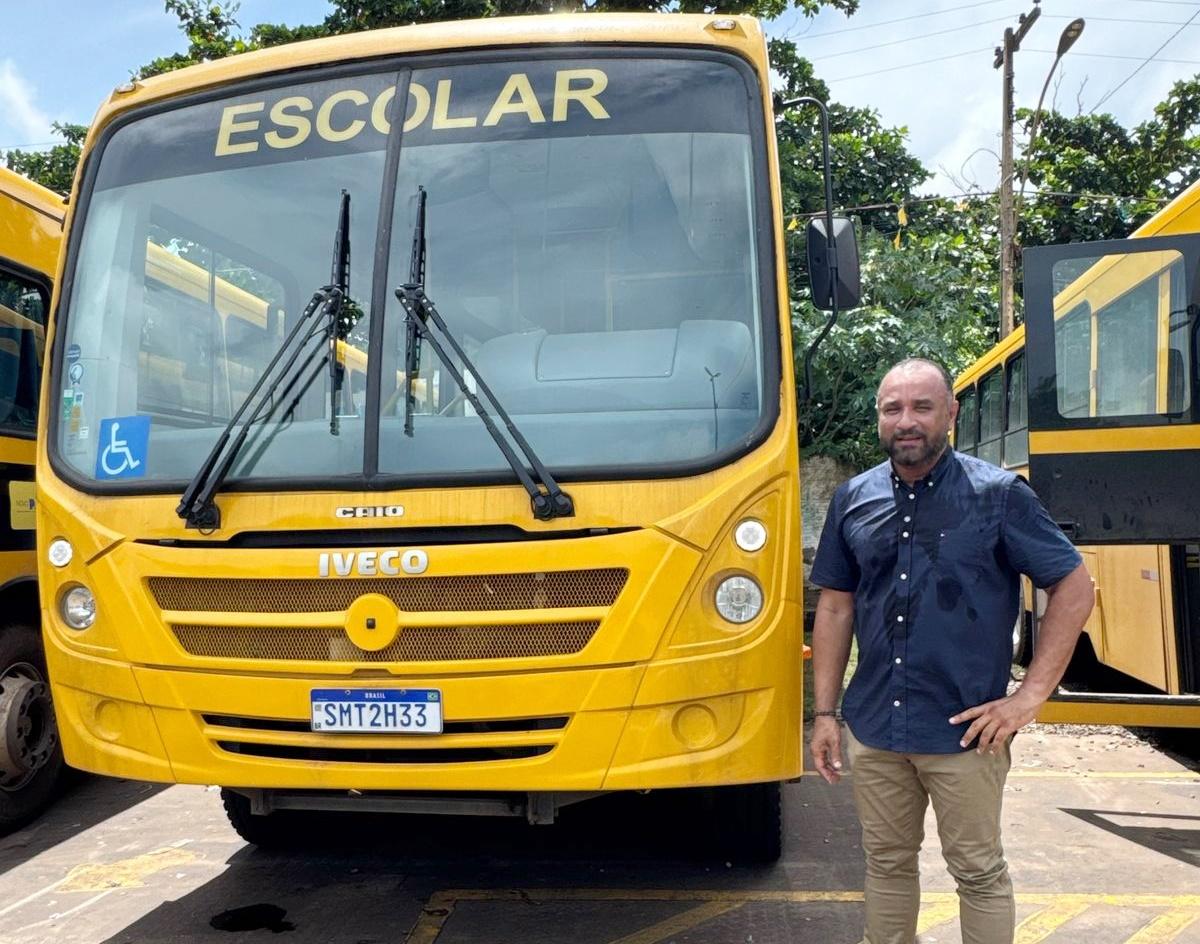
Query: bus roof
[
  {"x": 739, "y": 33},
  {"x": 35, "y": 196}
]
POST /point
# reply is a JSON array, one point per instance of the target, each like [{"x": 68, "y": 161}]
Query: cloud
[{"x": 17, "y": 106}]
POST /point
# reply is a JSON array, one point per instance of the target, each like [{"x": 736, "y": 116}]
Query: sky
[{"x": 922, "y": 64}]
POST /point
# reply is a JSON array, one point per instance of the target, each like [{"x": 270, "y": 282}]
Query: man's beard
[{"x": 913, "y": 452}]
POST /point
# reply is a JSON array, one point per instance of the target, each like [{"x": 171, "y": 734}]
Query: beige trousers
[{"x": 892, "y": 792}]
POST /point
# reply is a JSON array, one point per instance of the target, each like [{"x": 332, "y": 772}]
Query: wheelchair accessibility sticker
[{"x": 121, "y": 450}]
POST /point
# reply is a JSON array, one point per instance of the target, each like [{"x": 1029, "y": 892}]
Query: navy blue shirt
[{"x": 934, "y": 569}]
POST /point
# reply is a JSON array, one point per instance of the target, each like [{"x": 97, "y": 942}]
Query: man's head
[{"x": 916, "y": 409}]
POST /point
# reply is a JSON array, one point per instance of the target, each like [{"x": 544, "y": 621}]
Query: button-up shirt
[{"x": 934, "y": 568}]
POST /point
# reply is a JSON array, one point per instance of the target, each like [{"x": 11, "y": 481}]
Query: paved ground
[{"x": 1103, "y": 833}]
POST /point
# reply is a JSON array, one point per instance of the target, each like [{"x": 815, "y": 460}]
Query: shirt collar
[{"x": 930, "y": 478}]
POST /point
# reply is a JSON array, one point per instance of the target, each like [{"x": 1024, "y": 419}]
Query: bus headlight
[
  {"x": 750, "y": 535},
  {"x": 60, "y": 552},
  {"x": 78, "y": 607},
  {"x": 739, "y": 599}
]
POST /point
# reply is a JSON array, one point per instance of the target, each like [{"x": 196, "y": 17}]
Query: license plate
[{"x": 377, "y": 710}]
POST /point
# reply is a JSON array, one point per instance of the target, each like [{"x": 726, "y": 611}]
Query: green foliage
[
  {"x": 934, "y": 297},
  {"x": 1145, "y": 165},
  {"x": 55, "y": 168}
]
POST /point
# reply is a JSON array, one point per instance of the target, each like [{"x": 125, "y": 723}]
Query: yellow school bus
[
  {"x": 552, "y": 549},
  {"x": 1107, "y": 370},
  {"x": 30, "y": 756}
]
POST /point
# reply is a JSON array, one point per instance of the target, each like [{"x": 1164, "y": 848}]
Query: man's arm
[
  {"x": 1070, "y": 604},
  {"x": 832, "y": 632}
]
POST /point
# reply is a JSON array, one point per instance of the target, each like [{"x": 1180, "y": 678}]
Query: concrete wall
[{"x": 819, "y": 479}]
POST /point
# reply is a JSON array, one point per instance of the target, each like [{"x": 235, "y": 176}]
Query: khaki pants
[{"x": 892, "y": 792}]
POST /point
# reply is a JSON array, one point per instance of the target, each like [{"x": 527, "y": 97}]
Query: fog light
[
  {"x": 750, "y": 535},
  {"x": 739, "y": 599},
  {"x": 78, "y": 607},
  {"x": 60, "y": 552}
]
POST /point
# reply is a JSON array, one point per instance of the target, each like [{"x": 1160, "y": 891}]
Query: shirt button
[
  {"x": 904, "y": 576},
  {"x": 904, "y": 535},
  {"x": 911, "y": 495},
  {"x": 896, "y": 703},
  {"x": 907, "y": 518},
  {"x": 898, "y": 660},
  {"x": 899, "y": 619}
]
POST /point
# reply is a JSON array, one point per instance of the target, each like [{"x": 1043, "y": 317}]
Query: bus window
[
  {"x": 1073, "y": 360},
  {"x": 22, "y": 337},
  {"x": 966, "y": 425},
  {"x": 1176, "y": 395},
  {"x": 209, "y": 324},
  {"x": 1127, "y": 353},
  {"x": 1016, "y": 415},
  {"x": 991, "y": 417}
]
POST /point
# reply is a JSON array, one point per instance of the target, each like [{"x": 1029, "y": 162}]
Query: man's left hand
[{"x": 994, "y": 722}]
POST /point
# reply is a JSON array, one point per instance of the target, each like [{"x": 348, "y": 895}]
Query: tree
[
  {"x": 1132, "y": 172},
  {"x": 54, "y": 168},
  {"x": 211, "y": 27}
]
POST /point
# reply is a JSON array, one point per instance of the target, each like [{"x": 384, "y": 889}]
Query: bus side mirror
[{"x": 821, "y": 276}]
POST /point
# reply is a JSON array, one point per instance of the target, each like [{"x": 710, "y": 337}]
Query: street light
[{"x": 1065, "y": 42}]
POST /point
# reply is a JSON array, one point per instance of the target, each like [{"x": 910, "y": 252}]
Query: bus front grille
[
  {"x": 472, "y": 592},
  {"x": 412, "y": 644}
]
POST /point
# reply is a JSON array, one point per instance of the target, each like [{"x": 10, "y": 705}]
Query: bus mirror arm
[{"x": 832, "y": 249}]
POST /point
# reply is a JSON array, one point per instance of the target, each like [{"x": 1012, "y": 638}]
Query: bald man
[{"x": 920, "y": 561}]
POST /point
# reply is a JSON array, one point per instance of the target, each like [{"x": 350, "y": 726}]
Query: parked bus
[
  {"x": 30, "y": 756},
  {"x": 1106, "y": 374},
  {"x": 552, "y": 550}
]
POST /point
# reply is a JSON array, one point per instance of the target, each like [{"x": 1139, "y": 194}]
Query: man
[{"x": 919, "y": 559}]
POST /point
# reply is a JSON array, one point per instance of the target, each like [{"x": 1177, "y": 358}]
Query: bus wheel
[
  {"x": 31, "y": 761},
  {"x": 749, "y": 822},
  {"x": 267, "y": 832},
  {"x": 1022, "y": 647}
]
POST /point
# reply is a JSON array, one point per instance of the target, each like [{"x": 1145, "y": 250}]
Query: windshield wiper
[
  {"x": 340, "y": 279},
  {"x": 281, "y": 376},
  {"x": 548, "y": 500}
]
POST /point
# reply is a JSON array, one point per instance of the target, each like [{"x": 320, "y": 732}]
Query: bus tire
[
  {"x": 267, "y": 832},
  {"x": 1022, "y": 639},
  {"x": 749, "y": 821},
  {"x": 31, "y": 759}
]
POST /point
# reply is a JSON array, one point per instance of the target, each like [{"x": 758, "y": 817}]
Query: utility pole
[{"x": 1008, "y": 222}]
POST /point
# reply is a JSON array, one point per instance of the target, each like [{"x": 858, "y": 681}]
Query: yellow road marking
[
  {"x": 934, "y": 913},
  {"x": 1041, "y": 924},
  {"x": 679, "y": 923},
  {"x": 127, "y": 873},
  {"x": 433, "y": 918},
  {"x": 1164, "y": 928},
  {"x": 937, "y": 908}
]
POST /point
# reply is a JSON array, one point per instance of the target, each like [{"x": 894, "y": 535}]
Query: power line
[
  {"x": 1116, "y": 19},
  {"x": 1109, "y": 55},
  {"x": 909, "y": 39},
  {"x": 912, "y": 65},
  {"x": 33, "y": 144},
  {"x": 903, "y": 19},
  {"x": 1149, "y": 59}
]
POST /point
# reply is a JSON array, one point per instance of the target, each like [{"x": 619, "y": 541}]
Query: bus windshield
[{"x": 594, "y": 243}]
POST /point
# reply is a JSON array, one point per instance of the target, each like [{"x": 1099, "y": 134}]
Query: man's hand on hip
[
  {"x": 826, "y": 748},
  {"x": 994, "y": 722}
]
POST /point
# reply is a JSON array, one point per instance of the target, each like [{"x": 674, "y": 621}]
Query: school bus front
[{"x": 367, "y": 600}]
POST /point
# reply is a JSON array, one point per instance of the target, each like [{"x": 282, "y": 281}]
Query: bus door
[{"x": 1114, "y": 419}]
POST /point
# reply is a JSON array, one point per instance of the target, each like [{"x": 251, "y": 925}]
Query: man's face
[{"x": 915, "y": 415}]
